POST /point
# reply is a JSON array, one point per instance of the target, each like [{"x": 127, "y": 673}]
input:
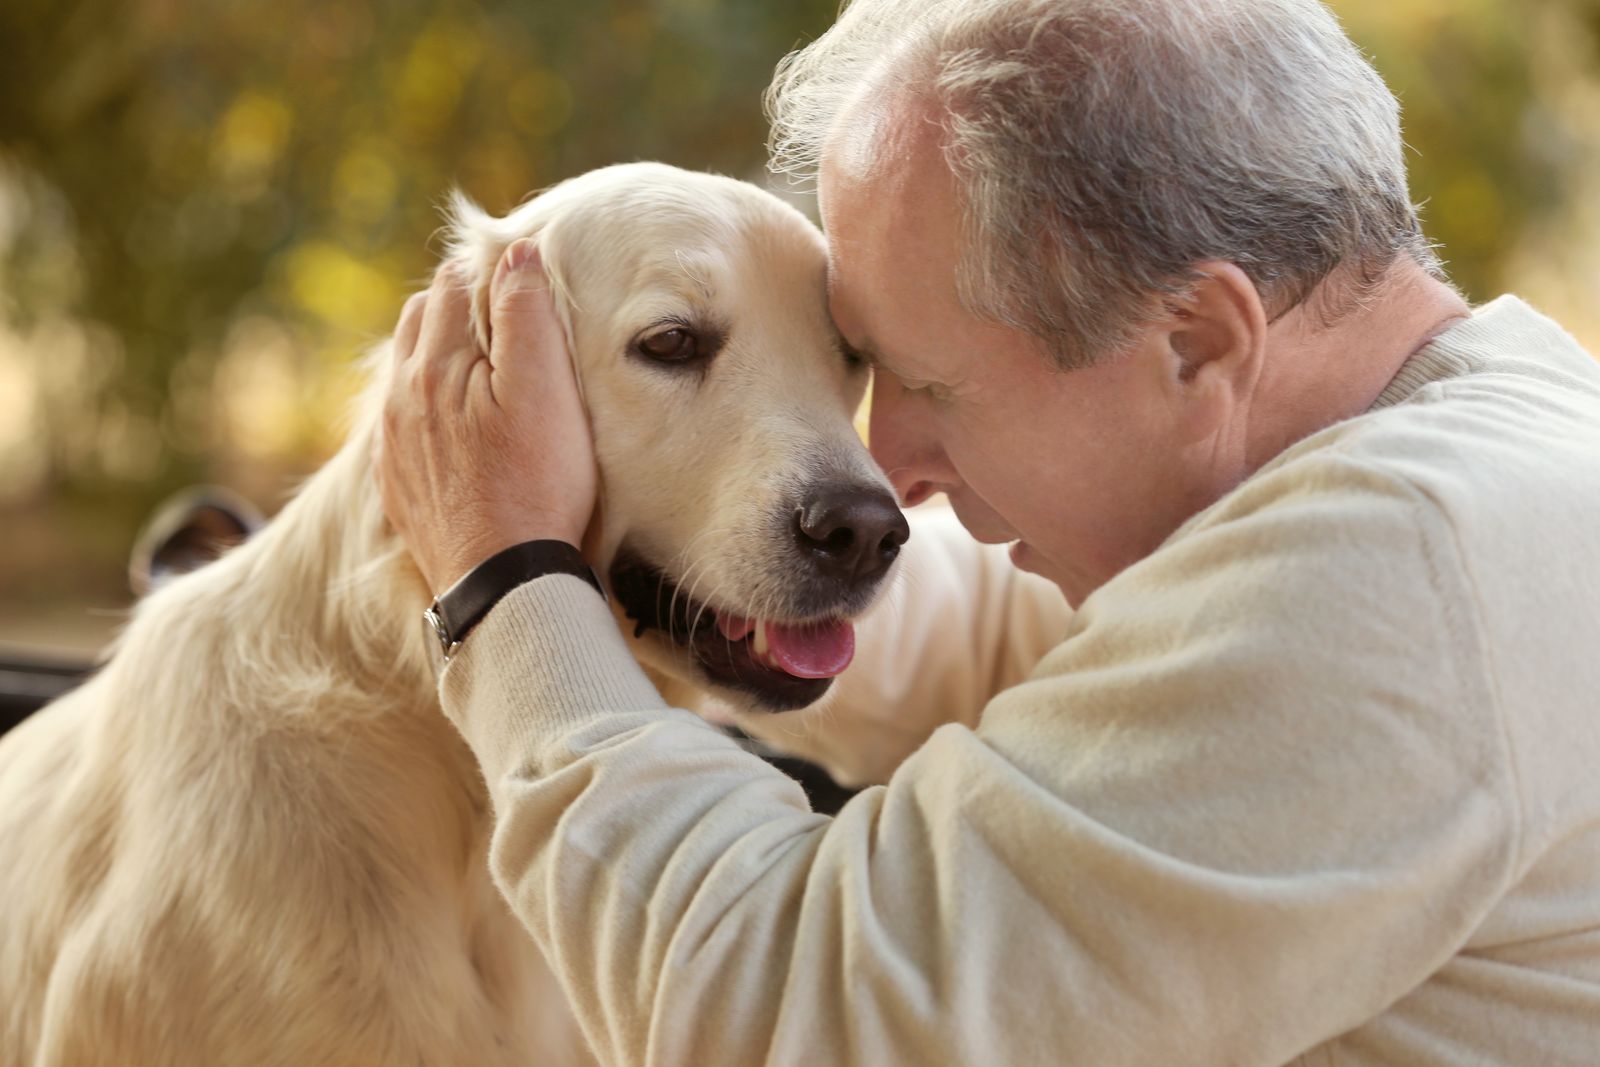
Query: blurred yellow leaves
[
  {"x": 364, "y": 186},
  {"x": 251, "y": 137},
  {"x": 271, "y": 399},
  {"x": 282, "y": 393},
  {"x": 342, "y": 290},
  {"x": 258, "y": 387},
  {"x": 1469, "y": 194},
  {"x": 434, "y": 74},
  {"x": 540, "y": 102}
]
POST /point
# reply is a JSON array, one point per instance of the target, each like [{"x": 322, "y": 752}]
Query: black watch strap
[{"x": 461, "y": 607}]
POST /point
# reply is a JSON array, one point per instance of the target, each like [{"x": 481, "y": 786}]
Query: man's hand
[{"x": 480, "y": 451}]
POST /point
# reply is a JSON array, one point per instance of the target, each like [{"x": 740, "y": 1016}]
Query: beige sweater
[{"x": 1318, "y": 782}]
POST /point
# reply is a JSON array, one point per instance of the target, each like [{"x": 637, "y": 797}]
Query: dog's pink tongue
[{"x": 815, "y": 650}]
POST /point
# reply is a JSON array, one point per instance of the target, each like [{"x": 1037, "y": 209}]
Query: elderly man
[{"x": 1311, "y": 777}]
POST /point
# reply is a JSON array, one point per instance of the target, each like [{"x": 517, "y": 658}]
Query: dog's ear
[{"x": 478, "y": 240}]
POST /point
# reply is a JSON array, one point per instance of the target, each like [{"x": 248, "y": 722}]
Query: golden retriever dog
[{"x": 252, "y": 837}]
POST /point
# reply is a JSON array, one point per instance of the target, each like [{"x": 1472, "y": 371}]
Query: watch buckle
[{"x": 436, "y": 626}]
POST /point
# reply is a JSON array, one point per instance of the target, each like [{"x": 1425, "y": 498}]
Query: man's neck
[{"x": 1316, "y": 375}]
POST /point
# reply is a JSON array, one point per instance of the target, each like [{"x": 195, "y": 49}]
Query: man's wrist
[
  {"x": 458, "y": 609},
  {"x": 469, "y": 557}
]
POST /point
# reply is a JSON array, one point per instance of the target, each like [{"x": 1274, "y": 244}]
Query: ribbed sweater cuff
[{"x": 547, "y": 661}]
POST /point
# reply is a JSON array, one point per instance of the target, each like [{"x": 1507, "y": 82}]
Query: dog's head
[{"x": 741, "y": 524}]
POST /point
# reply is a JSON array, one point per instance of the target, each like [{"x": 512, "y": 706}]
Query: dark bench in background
[{"x": 28, "y": 681}]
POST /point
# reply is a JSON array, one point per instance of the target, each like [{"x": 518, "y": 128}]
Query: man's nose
[{"x": 891, "y": 438}]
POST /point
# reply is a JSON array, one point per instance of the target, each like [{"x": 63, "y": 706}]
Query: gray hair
[{"x": 1103, "y": 148}]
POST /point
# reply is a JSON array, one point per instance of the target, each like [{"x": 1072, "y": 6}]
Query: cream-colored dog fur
[{"x": 252, "y": 838}]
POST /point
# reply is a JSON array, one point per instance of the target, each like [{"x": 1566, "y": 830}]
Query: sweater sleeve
[
  {"x": 1258, "y": 794},
  {"x": 958, "y": 625}
]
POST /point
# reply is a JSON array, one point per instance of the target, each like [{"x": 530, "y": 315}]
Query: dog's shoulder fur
[{"x": 253, "y": 838}]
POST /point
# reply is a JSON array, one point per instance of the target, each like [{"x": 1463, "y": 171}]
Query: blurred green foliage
[
  {"x": 207, "y": 207},
  {"x": 180, "y": 168}
]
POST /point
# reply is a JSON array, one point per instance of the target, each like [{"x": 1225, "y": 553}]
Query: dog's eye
[{"x": 676, "y": 345}]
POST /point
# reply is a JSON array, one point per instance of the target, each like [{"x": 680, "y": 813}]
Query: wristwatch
[{"x": 458, "y": 609}]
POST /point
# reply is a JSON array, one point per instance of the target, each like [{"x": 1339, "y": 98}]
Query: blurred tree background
[{"x": 208, "y": 208}]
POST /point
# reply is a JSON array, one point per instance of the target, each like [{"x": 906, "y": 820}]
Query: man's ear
[{"x": 1216, "y": 335}]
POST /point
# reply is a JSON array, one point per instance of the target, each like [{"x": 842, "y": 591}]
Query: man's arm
[
  {"x": 1258, "y": 794},
  {"x": 958, "y": 625}
]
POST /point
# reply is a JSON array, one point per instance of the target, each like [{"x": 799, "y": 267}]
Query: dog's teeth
[{"x": 760, "y": 642}]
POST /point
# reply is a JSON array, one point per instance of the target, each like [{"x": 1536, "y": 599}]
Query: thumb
[{"x": 525, "y": 334}]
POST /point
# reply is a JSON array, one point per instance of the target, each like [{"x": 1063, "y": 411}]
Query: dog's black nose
[{"x": 852, "y": 534}]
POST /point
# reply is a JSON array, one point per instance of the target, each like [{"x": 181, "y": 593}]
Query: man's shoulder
[
  {"x": 1478, "y": 492},
  {"x": 1506, "y": 450},
  {"x": 1512, "y": 405},
  {"x": 1496, "y": 426},
  {"x": 1380, "y": 515}
]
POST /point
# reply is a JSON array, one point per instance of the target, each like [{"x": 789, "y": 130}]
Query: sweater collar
[{"x": 1462, "y": 349}]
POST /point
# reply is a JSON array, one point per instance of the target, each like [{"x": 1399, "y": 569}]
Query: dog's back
[{"x": 253, "y": 839}]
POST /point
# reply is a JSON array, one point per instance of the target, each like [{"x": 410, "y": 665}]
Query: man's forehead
[
  {"x": 875, "y": 137},
  {"x": 873, "y": 182},
  {"x": 839, "y": 301},
  {"x": 884, "y": 198},
  {"x": 862, "y": 140}
]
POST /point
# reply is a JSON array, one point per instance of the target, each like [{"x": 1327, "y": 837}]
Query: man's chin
[{"x": 1025, "y": 557}]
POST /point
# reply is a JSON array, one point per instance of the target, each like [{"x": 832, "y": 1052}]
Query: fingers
[
  {"x": 450, "y": 388},
  {"x": 446, "y": 331},
  {"x": 405, "y": 332},
  {"x": 527, "y": 343}
]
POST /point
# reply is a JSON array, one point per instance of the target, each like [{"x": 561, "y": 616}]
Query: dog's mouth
[{"x": 783, "y": 664}]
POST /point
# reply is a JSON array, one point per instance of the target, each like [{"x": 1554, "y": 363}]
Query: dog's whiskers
[{"x": 681, "y": 562}]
